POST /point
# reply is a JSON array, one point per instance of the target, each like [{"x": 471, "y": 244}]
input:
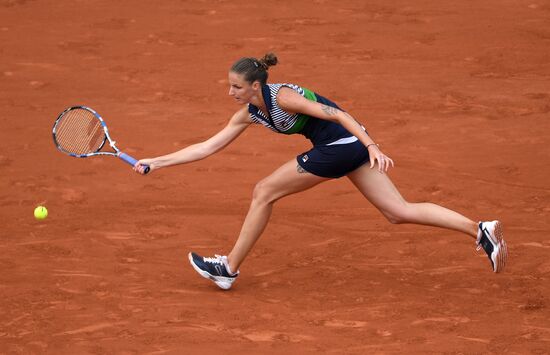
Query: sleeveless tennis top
[{"x": 318, "y": 131}]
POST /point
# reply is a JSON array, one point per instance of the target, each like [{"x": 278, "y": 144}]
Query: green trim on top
[
  {"x": 302, "y": 119},
  {"x": 310, "y": 95}
]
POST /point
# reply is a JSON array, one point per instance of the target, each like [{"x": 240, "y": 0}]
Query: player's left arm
[{"x": 290, "y": 101}]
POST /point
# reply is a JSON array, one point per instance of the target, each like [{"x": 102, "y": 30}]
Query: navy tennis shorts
[{"x": 334, "y": 161}]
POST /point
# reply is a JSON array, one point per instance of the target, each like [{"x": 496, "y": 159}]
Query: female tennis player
[{"x": 341, "y": 147}]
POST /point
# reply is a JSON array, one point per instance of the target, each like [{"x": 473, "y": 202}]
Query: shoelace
[{"x": 217, "y": 259}]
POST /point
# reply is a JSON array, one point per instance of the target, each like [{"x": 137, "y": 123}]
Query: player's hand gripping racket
[{"x": 80, "y": 132}]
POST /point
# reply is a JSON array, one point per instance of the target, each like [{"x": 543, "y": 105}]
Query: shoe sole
[
  {"x": 222, "y": 282},
  {"x": 502, "y": 254}
]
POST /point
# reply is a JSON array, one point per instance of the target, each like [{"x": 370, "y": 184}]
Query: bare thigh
[
  {"x": 382, "y": 193},
  {"x": 288, "y": 179},
  {"x": 378, "y": 189}
]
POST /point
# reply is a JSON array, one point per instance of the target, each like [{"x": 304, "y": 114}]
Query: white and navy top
[{"x": 318, "y": 131}]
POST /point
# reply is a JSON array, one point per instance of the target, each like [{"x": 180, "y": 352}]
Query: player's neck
[{"x": 258, "y": 101}]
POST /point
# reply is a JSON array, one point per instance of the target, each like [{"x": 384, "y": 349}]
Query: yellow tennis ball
[{"x": 40, "y": 212}]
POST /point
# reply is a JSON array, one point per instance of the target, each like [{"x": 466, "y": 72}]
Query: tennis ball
[{"x": 40, "y": 212}]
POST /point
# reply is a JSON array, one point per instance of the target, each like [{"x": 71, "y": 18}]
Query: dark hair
[{"x": 255, "y": 69}]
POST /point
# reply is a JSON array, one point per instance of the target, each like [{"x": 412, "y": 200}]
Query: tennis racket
[{"x": 80, "y": 132}]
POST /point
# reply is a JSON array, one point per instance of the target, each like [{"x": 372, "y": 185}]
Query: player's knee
[
  {"x": 394, "y": 219},
  {"x": 398, "y": 216},
  {"x": 263, "y": 193}
]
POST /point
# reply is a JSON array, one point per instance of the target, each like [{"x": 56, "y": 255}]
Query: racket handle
[{"x": 128, "y": 159}]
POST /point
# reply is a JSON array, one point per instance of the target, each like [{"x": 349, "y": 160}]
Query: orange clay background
[{"x": 456, "y": 92}]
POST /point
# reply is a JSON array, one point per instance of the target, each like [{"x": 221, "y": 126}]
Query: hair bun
[{"x": 269, "y": 60}]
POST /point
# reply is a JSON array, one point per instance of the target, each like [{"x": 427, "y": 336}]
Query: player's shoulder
[
  {"x": 242, "y": 115},
  {"x": 288, "y": 93},
  {"x": 284, "y": 86}
]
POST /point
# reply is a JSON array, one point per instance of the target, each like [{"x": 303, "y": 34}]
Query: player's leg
[
  {"x": 290, "y": 178},
  {"x": 381, "y": 192}
]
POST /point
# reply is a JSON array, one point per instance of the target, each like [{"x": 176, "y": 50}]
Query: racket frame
[{"x": 123, "y": 156}]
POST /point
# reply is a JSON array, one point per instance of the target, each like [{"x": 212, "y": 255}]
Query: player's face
[{"x": 240, "y": 89}]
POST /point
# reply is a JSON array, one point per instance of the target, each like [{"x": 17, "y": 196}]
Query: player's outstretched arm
[{"x": 237, "y": 124}]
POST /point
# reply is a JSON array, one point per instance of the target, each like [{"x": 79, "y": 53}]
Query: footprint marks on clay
[
  {"x": 536, "y": 245},
  {"x": 336, "y": 323},
  {"x": 269, "y": 336},
  {"x": 169, "y": 39},
  {"x": 91, "y": 328},
  {"x": 120, "y": 235},
  {"x": 257, "y": 336},
  {"x": 453, "y": 320},
  {"x": 478, "y": 340},
  {"x": 86, "y": 46}
]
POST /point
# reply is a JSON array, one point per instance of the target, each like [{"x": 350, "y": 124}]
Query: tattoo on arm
[
  {"x": 329, "y": 110},
  {"x": 332, "y": 111},
  {"x": 301, "y": 170}
]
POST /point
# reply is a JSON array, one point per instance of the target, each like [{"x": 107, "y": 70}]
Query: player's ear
[{"x": 256, "y": 85}]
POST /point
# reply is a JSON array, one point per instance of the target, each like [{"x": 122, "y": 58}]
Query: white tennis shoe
[{"x": 490, "y": 237}]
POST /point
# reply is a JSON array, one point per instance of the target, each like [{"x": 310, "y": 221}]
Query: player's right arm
[{"x": 237, "y": 124}]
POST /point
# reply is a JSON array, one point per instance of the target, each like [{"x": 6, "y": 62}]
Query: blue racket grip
[{"x": 128, "y": 159}]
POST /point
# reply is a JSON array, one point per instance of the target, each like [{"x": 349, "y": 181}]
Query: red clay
[{"x": 457, "y": 93}]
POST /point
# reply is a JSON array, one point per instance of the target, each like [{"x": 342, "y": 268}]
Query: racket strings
[
  {"x": 76, "y": 132},
  {"x": 79, "y": 131}
]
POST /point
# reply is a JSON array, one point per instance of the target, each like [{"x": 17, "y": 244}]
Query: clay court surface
[{"x": 456, "y": 92}]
